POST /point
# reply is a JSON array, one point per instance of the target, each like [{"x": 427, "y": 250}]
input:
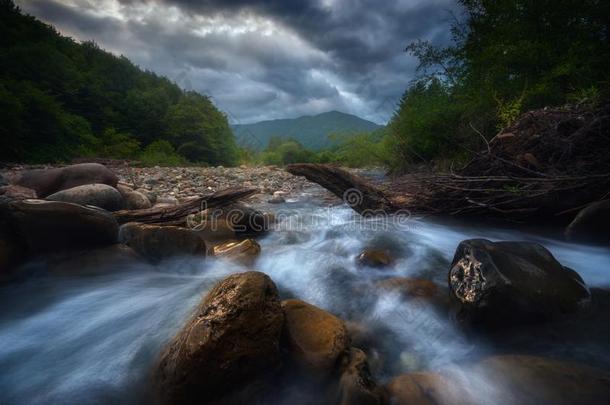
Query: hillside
[
  {"x": 60, "y": 99},
  {"x": 311, "y": 131}
]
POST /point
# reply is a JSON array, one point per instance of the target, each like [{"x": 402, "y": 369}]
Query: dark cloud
[{"x": 265, "y": 59}]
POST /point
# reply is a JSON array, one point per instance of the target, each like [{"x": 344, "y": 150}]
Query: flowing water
[{"x": 93, "y": 339}]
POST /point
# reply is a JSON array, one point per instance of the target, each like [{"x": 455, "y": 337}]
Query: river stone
[
  {"x": 592, "y": 224},
  {"x": 505, "y": 283},
  {"x": 374, "y": 258},
  {"x": 13, "y": 192},
  {"x": 161, "y": 242},
  {"x": 316, "y": 338},
  {"x": 54, "y": 226},
  {"x": 244, "y": 252},
  {"x": 48, "y": 181},
  {"x": 109, "y": 259},
  {"x": 233, "y": 337},
  {"x": 98, "y": 195},
  {"x": 356, "y": 385},
  {"x": 134, "y": 200},
  {"x": 151, "y": 195},
  {"x": 427, "y": 388}
]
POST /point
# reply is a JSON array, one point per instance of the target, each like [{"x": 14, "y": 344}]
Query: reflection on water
[{"x": 93, "y": 339}]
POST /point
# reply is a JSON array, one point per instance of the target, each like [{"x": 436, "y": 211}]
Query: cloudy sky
[{"x": 262, "y": 59}]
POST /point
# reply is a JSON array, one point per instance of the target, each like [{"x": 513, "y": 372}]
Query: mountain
[
  {"x": 311, "y": 131},
  {"x": 61, "y": 99}
]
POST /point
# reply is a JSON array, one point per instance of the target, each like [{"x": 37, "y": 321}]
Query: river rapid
[{"x": 92, "y": 339}]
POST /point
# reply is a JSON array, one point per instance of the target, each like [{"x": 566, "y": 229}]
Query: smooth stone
[
  {"x": 592, "y": 224},
  {"x": 98, "y": 195}
]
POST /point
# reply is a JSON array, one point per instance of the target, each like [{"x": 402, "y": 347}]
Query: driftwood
[
  {"x": 176, "y": 215},
  {"x": 358, "y": 193}
]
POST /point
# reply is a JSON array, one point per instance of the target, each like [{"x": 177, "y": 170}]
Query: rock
[
  {"x": 244, "y": 252},
  {"x": 134, "y": 200},
  {"x": 244, "y": 220},
  {"x": 427, "y": 388},
  {"x": 43, "y": 227},
  {"x": 375, "y": 258},
  {"x": 151, "y": 195},
  {"x": 13, "y": 192},
  {"x": 316, "y": 338},
  {"x": 98, "y": 195},
  {"x": 592, "y": 224},
  {"x": 356, "y": 385},
  {"x": 48, "y": 181},
  {"x": 505, "y": 283},
  {"x": 276, "y": 200},
  {"x": 210, "y": 229},
  {"x": 166, "y": 200},
  {"x": 233, "y": 337},
  {"x": 161, "y": 242},
  {"x": 536, "y": 380},
  {"x": 410, "y": 287}
]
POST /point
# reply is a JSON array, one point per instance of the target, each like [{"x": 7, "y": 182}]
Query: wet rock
[
  {"x": 316, "y": 338},
  {"x": 592, "y": 224},
  {"x": 245, "y": 251},
  {"x": 211, "y": 230},
  {"x": 135, "y": 200},
  {"x": 48, "y": 181},
  {"x": 504, "y": 283},
  {"x": 98, "y": 195},
  {"x": 43, "y": 227},
  {"x": 233, "y": 338},
  {"x": 13, "y": 192},
  {"x": 245, "y": 220},
  {"x": 356, "y": 385},
  {"x": 161, "y": 242},
  {"x": 536, "y": 380},
  {"x": 427, "y": 388},
  {"x": 375, "y": 258},
  {"x": 276, "y": 200}
]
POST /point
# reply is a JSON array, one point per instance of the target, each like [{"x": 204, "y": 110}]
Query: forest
[{"x": 60, "y": 99}]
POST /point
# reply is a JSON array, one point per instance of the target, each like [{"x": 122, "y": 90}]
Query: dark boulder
[
  {"x": 49, "y": 181},
  {"x": 161, "y": 242},
  {"x": 356, "y": 385},
  {"x": 98, "y": 195},
  {"x": 43, "y": 227},
  {"x": 232, "y": 339},
  {"x": 499, "y": 284},
  {"x": 592, "y": 224}
]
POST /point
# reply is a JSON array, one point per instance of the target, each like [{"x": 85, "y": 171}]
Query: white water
[{"x": 93, "y": 339}]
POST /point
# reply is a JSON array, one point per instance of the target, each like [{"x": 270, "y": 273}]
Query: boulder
[
  {"x": 109, "y": 259},
  {"x": 98, "y": 195},
  {"x": 133, "y": 200},
  {"x": 356, "y": 385},
  {"x": 43, "y": 227},
  {"x": 374, "y": 258},
  {"x": 504, "y": 283},
  {"x": 161, "y": 242},
  {"x": 316, "y": 339},
  {"x": 244, "y": 252},
  {"x": 48, "y": 181},
  {"x": 151, "y": 195},
  {"x": 244, "y": 220},
  {"x": 233, "y": 338},
  {"x": 427, "y": 388},
  {"x": 536, "y": 380},
  {"x": 13, "y": 192},
  {"x": 592, "y": 224}
]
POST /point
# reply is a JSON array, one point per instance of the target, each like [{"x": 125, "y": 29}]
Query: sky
[{"x": 260, "y": 60}]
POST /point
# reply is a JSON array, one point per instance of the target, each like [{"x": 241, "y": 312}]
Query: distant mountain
[{"x": 311, "y": 131}]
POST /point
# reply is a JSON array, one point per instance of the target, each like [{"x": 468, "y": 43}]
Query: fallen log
[
  {"x": 355, "y": 191},
  {"x": 177, "y": 215}
]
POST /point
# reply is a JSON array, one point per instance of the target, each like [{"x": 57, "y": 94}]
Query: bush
[{"x": 161, "y": 153}]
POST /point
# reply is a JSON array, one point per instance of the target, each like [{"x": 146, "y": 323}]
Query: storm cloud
[{"x": 265, "y": 59}]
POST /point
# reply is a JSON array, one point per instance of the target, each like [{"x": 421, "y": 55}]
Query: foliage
[
  {"x": 507, "y": 57},
  {"x": 161, "y": 153},
  {"x": 85, "y": 101}
]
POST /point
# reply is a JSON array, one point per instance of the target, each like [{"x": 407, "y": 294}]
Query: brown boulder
[
  {"x": 49, "y": 181},
  {"x": 375, "y": 258},
  {"x": 232, "y": 338},
  {"x": 244, "y": 252},
  {"x": 44, "y": 227},
  {"x": 316, "y": 339},
  {"x": 161, "y": 242},
  {"x": 356, "y": 385},
  {"x": 427, "y": 388}
]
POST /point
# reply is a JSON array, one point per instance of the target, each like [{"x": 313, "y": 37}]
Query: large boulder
[
  {"x": 233, "y": 338},
  {"x": 356, "y": 385},
  {"x": 244, "y": 252},
  {"x": 161, "y": 242},
  {"x": 243, "y": 219},
  {"x": 49, "y": 181},
  {"x": 42, "y": 227},
  {"x": 98, "y": 195},
  {"x": 316, "y": 339},
  {"x": 592, "y": 224},
  {"x": 428, "y": 388},
  {"x": 497, "y": 284}
]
